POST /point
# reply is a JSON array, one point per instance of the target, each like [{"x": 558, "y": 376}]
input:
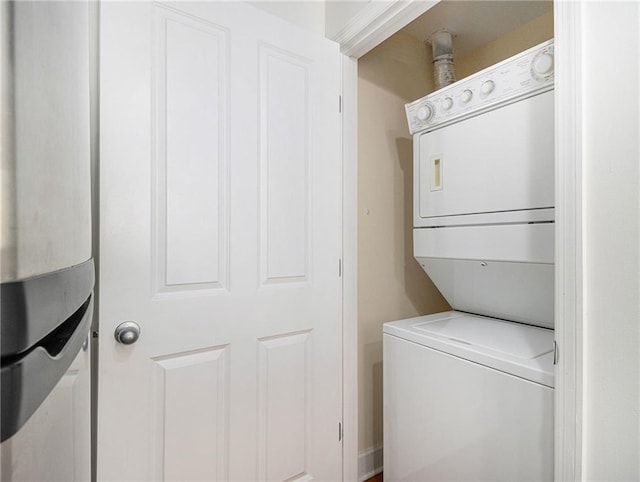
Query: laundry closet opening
[{"x": 391, "y": 284}]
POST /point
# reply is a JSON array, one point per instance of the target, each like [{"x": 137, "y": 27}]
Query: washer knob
[
  {"x": 487, "y": 87},
  {"x": 425, "y": 112},
  {"x": 542, "y": 64},
  {"x": 447, "y": 103},
  {"x": 466, "y": 96}
]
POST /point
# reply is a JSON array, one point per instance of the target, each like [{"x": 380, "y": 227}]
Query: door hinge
[
  {"x": 556, "y": 352},
  {"x": 340, "y": 104},
  {"x": 340, "y": 268},
  {"x": 340, "y": 434}
]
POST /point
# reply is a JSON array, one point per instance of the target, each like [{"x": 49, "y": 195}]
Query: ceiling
[{"x": 476, "y": 22}]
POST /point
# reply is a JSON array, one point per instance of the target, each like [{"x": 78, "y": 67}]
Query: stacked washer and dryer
[{"x": 468, "y": 394}]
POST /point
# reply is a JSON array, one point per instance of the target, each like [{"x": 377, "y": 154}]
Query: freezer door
[
  {"x": 45, "y": 322},
  {"x": 54, "y": 445},
  {"x": 28, "y": 378}
]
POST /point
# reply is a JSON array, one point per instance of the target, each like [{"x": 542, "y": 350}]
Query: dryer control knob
[
  {"x": 542, "y": 64},
  {"x": 487, "y": 87},
  {"x": 466, "y": 96},
  {"x": 425, "y": 112},
  {"x": 447, "y": 103}
]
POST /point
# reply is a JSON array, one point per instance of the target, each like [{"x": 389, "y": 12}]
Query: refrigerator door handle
[{"x": 28, "y": 378}]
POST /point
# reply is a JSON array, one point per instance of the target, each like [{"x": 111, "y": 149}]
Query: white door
[{"x": 220, "y": 235}]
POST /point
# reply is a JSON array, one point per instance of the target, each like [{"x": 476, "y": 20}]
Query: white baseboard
[{"x": 369, "y": 462}]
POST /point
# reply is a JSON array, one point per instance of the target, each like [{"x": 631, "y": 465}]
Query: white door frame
[
  {"x": 569, "y": 270},
  {"x": 350, "y": 269},
  {"x": 376, "y": 22}
]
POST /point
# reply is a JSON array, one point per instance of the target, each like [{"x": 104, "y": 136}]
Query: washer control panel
[{"x": 519, "y": 76}]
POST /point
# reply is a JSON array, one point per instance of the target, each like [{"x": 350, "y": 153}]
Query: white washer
[{"x": 468, "y": 398}]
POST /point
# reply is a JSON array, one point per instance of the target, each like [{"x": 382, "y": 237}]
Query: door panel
[
  {"x": 220, "y": 236},
  {"x": 179, "y": 393},
  {"x": 191, "y": 80},
  {"x": 284, "y": 165},
  {"x": 284, "y": 383}
]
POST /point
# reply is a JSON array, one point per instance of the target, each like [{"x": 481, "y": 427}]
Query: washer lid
[
  {"x": 504, "y": 337},
  {"x": 521, "y": 350}
]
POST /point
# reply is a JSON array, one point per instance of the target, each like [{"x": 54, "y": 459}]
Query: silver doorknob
[{"x": 127, "y": 332}]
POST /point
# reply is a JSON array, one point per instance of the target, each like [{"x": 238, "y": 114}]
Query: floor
[{"x": 375, "y": 478}]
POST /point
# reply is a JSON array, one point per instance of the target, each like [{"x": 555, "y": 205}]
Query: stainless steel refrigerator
[{"x": 46, "y": 269}]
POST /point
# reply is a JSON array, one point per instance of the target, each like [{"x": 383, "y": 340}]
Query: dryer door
[{"x": 497, "y": 162}]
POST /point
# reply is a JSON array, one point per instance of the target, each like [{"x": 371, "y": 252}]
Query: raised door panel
[
  {"x": 284, "y": 382},
  {"x": 284, "y": 165},
  {"x": 190, "y": 142},
  {"x": 191, "y": 392}
]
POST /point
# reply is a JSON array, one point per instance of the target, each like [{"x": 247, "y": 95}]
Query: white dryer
[{"x": 468, "y": 394}]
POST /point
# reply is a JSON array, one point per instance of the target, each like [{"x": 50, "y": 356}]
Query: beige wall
[
  {"x": 391, "y": 285},
  {"x": 526, "y": 36}
]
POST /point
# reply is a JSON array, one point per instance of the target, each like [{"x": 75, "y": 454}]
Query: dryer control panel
[{"x": 527, "y": 73}]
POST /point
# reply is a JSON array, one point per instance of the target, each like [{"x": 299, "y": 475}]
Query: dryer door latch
[{"x": 556, "y": 353}]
